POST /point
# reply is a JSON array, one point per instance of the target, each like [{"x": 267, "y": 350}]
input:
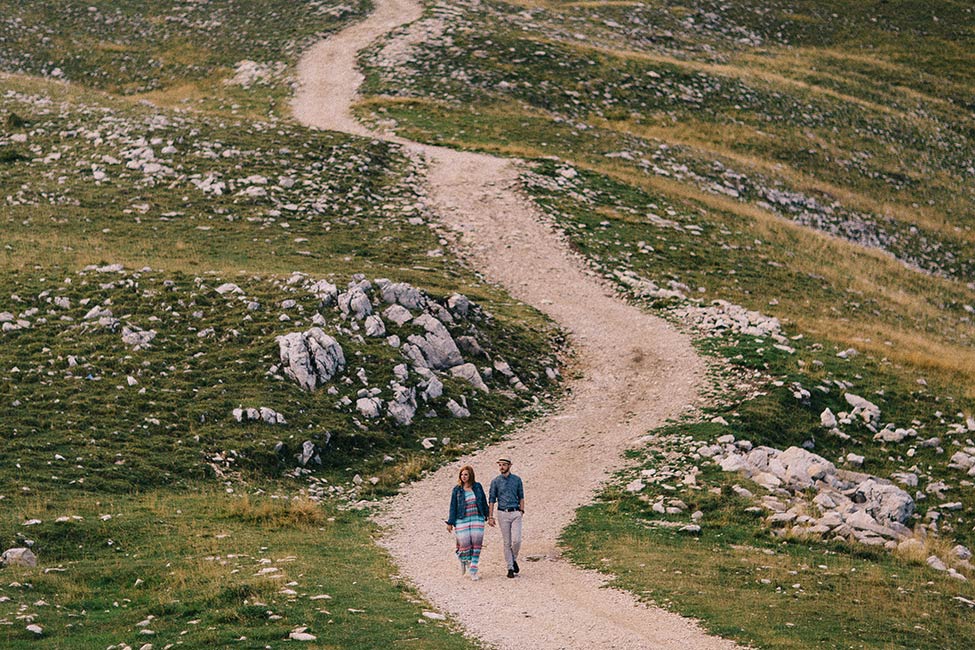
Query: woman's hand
[
  {"x": 450, "y": 528},
  {"x": 490, "y": 521}
]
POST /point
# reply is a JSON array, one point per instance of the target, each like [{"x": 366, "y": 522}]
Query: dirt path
[{"x": 637, "y": 371}]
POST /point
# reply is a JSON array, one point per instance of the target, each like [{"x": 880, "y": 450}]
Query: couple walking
[{"x": 470, "y": 509}]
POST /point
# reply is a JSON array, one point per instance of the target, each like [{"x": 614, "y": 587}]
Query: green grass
[
  {"x": 170, "y": 52},
  {"x": 190, "y": 563},
  {"x": 660, "y": 136},
  {"x": 768, "y": 592},
  {"x": 163, "y": 453},
  {"x": 811, "y": 161}
]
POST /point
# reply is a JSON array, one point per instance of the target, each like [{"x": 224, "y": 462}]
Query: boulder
[
  {"x": 369, "y": 407},
  {"x": 433, "y": 389},
  {"x": 308, "y": 453},
  {"x": 457, "y": 410},
  {"x": 459, "y": 304},
  {"x": 890, "y": 434},
  {"x": 325, "y": 291},
  {"x": 355, "y": 302},
  {"x": 228, "y": 287},
  {"x": 401, "y": 293},
  {"x": 271, "y": 416},
  {"x": 375, "y": 326},
  {"x": 437, "y": 345},
  {"x": 311, "y": 358},
  {"x": 402, "y": 407},
  {"x": 961, "y": 460},
  {"x": 468, "y": 372},
  {"x": 827, "y": 419},
  {"x": 136, "y": 338},
  {"x": 884, "y": 502},
  {"x": 867, "y": 410},
  {"x": 398, "y": 314},
  {"x": 804, "y": 467},
  {"x": 469, "y": 346},
  {"x": 18, "y": 557}
]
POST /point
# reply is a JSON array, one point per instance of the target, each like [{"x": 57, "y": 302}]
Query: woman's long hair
[{"x": 470, "y": 471}]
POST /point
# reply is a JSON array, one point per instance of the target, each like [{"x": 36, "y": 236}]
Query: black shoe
[
  {"x": 511, "y": 573},
  {"x": 516, "y": 569}
]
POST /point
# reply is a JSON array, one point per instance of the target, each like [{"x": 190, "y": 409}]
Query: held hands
[
  {"x": 450, "y": 528},
  {"x": 491, "y": 522}
]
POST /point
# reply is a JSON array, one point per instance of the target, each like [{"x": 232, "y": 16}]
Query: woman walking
[{"x": 468, "y": 512}]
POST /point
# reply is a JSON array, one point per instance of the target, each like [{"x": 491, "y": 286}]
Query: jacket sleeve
[
  {"x": 452, "y": 517},
  {"x": 482, "y": 505}
]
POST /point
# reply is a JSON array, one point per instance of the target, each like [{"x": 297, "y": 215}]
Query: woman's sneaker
[
  {"x": 475, "y": 577},
  {"x": 463, "y": 568}
]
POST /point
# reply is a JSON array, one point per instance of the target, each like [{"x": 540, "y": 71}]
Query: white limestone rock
[
  {"x": 827, "y": 419},
  {"x": 355, "y": 302},
  {"x": 325, "y": 291},
  {"x": 375, "y": 326},
  {"x": 884, "y": 502},
  {"x": 437, "y": 345},
  {"x": 891, "y": 434},
  {"x": 311, "y": 358},
  {"x": 433, "y": 388},
  {"x": 309, "y": 452},
  {"x": 398, "y": 314},
  {"x": 459, "y": 304},
  {"x": 402, "y": 407},
  {"x": 867, "y": 410},
  {"x": 402, "y": 293},
  {"x": 136, "y": 338},
  {"x": 457, "y": 410},
  {"x": 18, "y": 556},
  {"x": 469, "y": 373},
  {"x": 370, "y": 407},
  {"x": 229, "y": 287}
]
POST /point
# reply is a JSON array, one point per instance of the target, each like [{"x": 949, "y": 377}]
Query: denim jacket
[{"x": 457, "y": 505}]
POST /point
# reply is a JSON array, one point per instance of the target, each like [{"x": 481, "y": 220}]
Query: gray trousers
[{"x": 510, "y": 525}]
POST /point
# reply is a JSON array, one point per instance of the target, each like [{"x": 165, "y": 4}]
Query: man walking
[{"x": 508, "y": 493}]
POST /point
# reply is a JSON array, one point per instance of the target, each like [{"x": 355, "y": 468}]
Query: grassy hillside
[
  {"x": 809, "y": 161},
  {"x": 232, "y": 55},
  {"x": 152, "y": 250}
]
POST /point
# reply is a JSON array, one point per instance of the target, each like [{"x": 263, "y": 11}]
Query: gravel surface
[{"x": 634, "y": 371}]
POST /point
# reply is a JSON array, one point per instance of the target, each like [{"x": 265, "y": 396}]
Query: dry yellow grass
[
  {"x": 728, "y": 70},
  {"x": 174, "y": 95},
  {"x": 296, "y": 512},
  {"x": 721, "y": 140},
  {"x": 109, "y": 46}
]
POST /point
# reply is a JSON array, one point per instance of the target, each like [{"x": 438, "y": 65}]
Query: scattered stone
[
  {"x": 439, "y": 351},
  {"x": 229, "y": 287},
  {"x": 468, "y": 372},
  {"x": 398, "y": 314},
  {"x": 827, "y": 419},
  {"x": 457, "y": 410},
  {"x": 311, "y": 358},
  {"x": 18, "y": 556},
  {"x": 370, "y": 407}
]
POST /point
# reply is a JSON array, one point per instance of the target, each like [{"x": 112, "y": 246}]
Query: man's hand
[{"x": 491, "y": 522}]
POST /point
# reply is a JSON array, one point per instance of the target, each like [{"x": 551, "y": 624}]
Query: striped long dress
[{"x": 469, "y": 530}]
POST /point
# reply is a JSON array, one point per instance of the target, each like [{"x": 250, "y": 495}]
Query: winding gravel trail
[{"x": 636, "y": 371}]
